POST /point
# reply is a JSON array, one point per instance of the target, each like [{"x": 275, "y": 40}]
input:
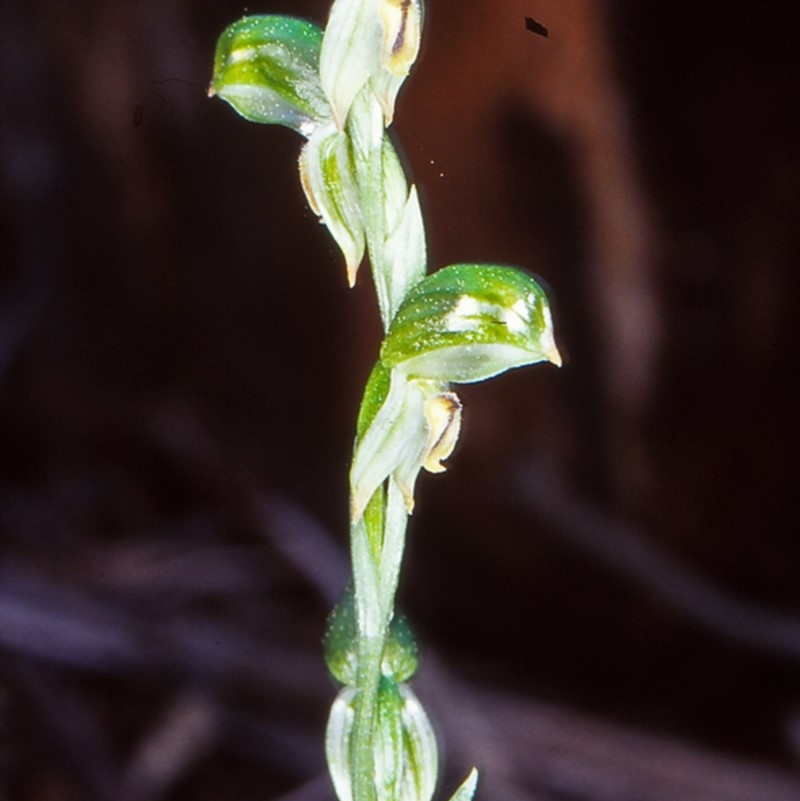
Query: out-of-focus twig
[
  {"x": 300, "y": 539},
  {"x": 45, "y": 620},
  {"x": 318, "y": 789},
  {"x": 549, "y": 753},
  {"x": 305, "y": 543},
  {"x": 70, "y": 723},
  {"x": 628, "y": 552},
  {"x": 179, "y": 738}
]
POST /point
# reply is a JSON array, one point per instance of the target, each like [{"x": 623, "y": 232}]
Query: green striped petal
[
  {"x": 469, "y": 322},
  {"x": 404, "y": 745},
  {"x": 328, "y": 177},
  {"x": 267, "y": 68},
  {"x": 375, "y": 41}
]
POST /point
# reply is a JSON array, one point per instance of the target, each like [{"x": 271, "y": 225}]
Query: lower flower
[{"x": 404, "y": 745}]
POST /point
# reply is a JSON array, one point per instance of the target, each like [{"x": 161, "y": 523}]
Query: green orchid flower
[
  {"x": 375, "y": 41},
  {"x": 462, "y": 324}
]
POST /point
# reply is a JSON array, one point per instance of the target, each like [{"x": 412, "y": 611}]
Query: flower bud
[{"x": 400, "y": 655}]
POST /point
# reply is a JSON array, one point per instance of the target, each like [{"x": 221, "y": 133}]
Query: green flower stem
[
  {"x": 387, "y": 207},
  {"x": 394, "y": 541},
  {"x": 362, "y": 754},
  {"x": 378, "y": 538},
  {"x": 367, "y": 157},
  {"x": 377, "y": 544}
]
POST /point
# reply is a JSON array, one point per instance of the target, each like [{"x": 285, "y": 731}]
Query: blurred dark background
[{"x": 605, "y": 582}]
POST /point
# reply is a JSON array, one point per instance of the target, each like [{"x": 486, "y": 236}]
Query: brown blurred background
[{"x": 605, "y": 582}]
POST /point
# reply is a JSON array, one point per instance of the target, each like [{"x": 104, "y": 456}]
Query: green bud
[
  {"x": 267, "y": 68},
  {"x": 401, "y": 653},
  {"x": 340, "y": 643},
  {"x": 404, "y": 745},
  {"x": 469, "y": 322},
  {"x": 400, "y": 656}
]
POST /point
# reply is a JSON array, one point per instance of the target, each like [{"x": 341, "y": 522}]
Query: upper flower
[{"x": 369, "y": 40}]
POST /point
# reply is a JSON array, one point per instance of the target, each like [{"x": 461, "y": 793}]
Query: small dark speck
[
  {"x": 138, "y": 115},
  {"x": 536, "y": 27}
]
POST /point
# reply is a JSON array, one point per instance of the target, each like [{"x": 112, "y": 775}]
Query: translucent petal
[
  {"x": 404, "y": 745},
  {"x": 443, "y": 418},
  {"x": 327, "y": 175},
  {"x": 393, "y": 443},
  {"x": 401, "y": 22},
  {"x": 267, "y": 68},
  {"x": 350, "y": 49},
  {"x": 374, "y": 41},
  {"x": 469, "y": 322}
]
